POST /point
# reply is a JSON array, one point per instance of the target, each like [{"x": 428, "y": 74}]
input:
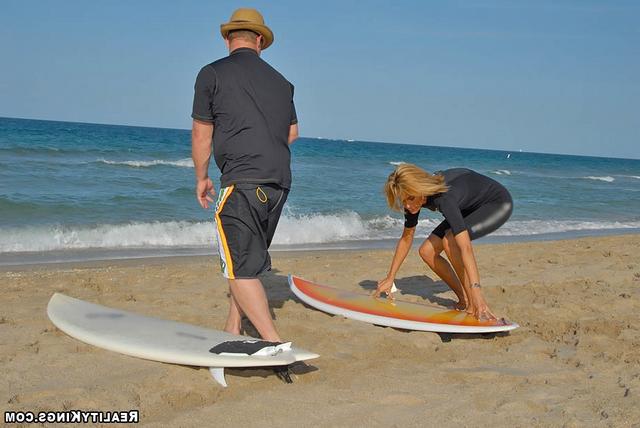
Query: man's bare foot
[{"x": 233, "y": 328}]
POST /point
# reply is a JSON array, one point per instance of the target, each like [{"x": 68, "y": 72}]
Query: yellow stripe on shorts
[{"x": 226, "y": 264}]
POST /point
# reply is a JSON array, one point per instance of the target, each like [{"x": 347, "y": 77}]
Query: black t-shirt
[
  {"x": 468, "y": 191},
  {"x": 251, "y": 107}
]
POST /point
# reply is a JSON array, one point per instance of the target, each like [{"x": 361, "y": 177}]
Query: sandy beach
[{"x": 575, "y": 361}]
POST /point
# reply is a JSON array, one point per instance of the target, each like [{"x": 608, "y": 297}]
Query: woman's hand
[
  {"x": 385, "y": 286},
  {"x": 478, "y": 306}
]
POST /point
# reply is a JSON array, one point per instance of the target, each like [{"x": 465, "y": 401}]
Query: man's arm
[
  {"x": 293, "y": 133},
  {"x": 201, "y": 135}
]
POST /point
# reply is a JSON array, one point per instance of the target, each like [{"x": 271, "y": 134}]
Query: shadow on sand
[
  {"x": 418, "y": 285},
  {"x": 429, "y": 290},
  {"x": 277, "y": 288}
]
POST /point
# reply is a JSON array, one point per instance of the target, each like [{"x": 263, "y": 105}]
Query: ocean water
[{"x": 72, "y": 188}]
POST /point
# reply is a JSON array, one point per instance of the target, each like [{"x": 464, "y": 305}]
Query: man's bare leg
[
  {"x": 251, "y": 299},
  {"x": 430, "y": 252},
  {"x": 234, "y": 319}
]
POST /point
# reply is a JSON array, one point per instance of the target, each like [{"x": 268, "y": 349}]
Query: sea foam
[
  {"x": 184, "y": 163},
  {"x": 606, "y": 178},
  {"x": 292, "y": 230}
]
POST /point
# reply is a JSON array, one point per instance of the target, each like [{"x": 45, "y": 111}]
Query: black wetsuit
[{"x": 474, "y": 202}]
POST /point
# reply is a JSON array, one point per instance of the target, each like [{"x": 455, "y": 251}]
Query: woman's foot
[{"x": 460, "y": 306}]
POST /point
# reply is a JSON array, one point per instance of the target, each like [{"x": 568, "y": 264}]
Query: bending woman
[{"x": 473, "y": 206}]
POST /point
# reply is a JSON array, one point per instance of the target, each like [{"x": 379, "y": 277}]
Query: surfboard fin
[
  {"x": 283, "y": 373},
  {"x": 218, "y": 375}
]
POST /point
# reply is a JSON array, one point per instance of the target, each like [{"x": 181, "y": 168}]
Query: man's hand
[
  {"x": 205, "y": 192},
  {"x": 293, "y": 133}
]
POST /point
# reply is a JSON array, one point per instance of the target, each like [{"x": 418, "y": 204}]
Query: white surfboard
[{"x": 158, "y": 339}]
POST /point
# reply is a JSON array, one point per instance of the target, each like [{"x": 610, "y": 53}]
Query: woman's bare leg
[
  {"x": 430, "y": 252},
  {"x": 476, "y": 304}
]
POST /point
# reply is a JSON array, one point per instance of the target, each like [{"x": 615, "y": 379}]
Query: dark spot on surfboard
[
  {"x": 190, "y": 335},
  {"x": 108, "y": 315}
]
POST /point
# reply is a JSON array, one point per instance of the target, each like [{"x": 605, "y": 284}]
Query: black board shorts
[
  {"x": 485, "y": 219},
  {"x": 246, "y": 219}
]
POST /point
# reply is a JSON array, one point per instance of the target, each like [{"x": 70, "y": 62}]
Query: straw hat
[{"x": 248, "y": 19}]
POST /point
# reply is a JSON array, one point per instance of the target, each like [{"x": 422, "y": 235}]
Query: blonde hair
[{"x": 410, "y": 180}]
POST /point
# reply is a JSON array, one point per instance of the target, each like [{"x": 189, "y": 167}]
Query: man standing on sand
[{"x": 244, "y": 108}]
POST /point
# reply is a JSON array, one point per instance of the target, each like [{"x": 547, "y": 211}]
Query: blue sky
[{"x": 547, "y": 76}]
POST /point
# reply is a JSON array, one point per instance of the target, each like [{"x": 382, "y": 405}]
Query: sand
[{"x": 574, "y": 361}]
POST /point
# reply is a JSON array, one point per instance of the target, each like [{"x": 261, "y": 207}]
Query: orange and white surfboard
[{"x": 392, "y": 313}]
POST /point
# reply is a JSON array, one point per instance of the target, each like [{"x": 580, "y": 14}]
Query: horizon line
[{"x": 337, "y": 139}]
